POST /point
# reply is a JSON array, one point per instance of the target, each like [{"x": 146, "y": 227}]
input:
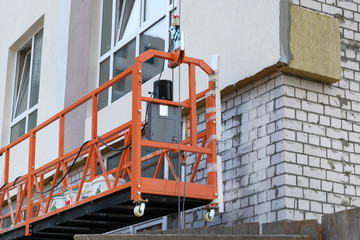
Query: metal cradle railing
[{"x": 32, "y": 206}]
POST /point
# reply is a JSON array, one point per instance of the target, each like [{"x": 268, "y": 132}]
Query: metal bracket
[{"x": 140, "y": 201}]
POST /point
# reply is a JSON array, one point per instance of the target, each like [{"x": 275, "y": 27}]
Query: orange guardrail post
[
  {"x": 94, "y": 123},
  {"x": 136, "y": 131},
  {"x": 7, "y": 162},
  {"x": 94, "y": 116},
  {"x": 30, "y": 185},
  {"x": 192, "y": 99},
  {"x": 61, "y": 135},
  {"x": 211, "y": 136}
]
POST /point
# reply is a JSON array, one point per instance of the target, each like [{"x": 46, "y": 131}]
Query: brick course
[{"x": 297, "y": 140}]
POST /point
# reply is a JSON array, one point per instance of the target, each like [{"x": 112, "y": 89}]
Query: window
[
  {"x": 129, "y": 28},
  {"x": 26, "y": 87},
  {"x": 151, "y": 225}
]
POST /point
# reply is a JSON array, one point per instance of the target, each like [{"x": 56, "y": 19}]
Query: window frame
[
  {"x": 17, "y": 80},
  {"x": 29, "y": 110},
  {"x": 133, "y": 229},
  {"x": 115, "y": 46}
]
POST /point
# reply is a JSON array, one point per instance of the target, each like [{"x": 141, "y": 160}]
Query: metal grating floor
[{"x": 101, "y": 215}]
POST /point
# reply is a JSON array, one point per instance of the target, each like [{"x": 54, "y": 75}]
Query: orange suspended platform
[{"x": 31, "y": 217}]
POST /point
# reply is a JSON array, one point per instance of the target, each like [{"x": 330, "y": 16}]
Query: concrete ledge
[
  {"x": 241, "y": 229},
  {"x": 190, "y": 237},
  {"x": 342, "y": 225},
  {"x": 306, "y": 227}
]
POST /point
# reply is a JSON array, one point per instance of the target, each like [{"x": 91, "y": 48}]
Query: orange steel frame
[{"x": 37, "y": 205}]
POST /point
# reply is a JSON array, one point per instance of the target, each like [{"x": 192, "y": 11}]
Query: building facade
[{"x": 289, "y": 80}]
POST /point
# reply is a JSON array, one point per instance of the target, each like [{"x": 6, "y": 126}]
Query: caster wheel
[
  {"x": 139, "y": 209},
  {"x": 209, "y": 215}
]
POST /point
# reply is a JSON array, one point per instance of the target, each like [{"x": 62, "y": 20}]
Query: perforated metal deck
[{"x": 100, "y": 216}]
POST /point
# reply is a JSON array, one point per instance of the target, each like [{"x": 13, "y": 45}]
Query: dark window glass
[
  {"x": 104, "y": 77},
  {"x": 123, "y": 59},
  {"x": 18, "y": 130},
  {"x": 106, "y": 27},
  {"x": 36, "y": 66},
  {"x": 32, "y": 120},
  {"x": 153, "y": 38}
]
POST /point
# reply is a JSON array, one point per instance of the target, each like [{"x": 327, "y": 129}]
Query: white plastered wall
[
  {"x": 20, "y": 20},
  {"x": 246, "y": 35}
]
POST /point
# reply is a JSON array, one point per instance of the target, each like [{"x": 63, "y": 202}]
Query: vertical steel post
[
  {"x": 7, "y": 163},
  {"x": 211, "y": 136},
  {"x": 94, "y": 123},
  {"x": 192, "y": 99},
  {"x": 61, "y": 135},
  {"x": 30, "y": 185},
  {"x": 136, "y": 132},
  {"x": 94, "y": 112}
]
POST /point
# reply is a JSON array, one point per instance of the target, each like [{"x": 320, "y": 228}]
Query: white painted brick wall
[
  {"x": 347, "y": 5},
  {"x": 311, "y": 4},
  {"x": 331, "y": 9},
  {"x": 298, "y": 141}
]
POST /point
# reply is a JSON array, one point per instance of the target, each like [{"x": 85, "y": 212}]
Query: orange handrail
[{"x": 35, "y": 209}]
